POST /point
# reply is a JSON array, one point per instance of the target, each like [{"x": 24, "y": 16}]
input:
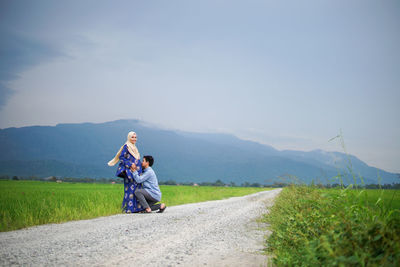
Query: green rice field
[
  {"x": 376, "y": 199},
  {"x": 29, "y": 203}
]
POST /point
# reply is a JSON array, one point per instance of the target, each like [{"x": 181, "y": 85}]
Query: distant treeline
[
  {"x": 63, "y": 179},
  {"x": 120, "y": 181},
  {"x": 221, "y": 183},
  {"x": 172, "y": 182}
]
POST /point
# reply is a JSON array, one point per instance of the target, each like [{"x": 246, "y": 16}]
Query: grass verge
[{"x": 320, "y": 227}]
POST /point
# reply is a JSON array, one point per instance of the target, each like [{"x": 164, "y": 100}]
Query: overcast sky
[{"x": 290, "y": 74}]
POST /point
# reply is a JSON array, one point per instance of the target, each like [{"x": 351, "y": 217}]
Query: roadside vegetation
[
  {"x": 314, "y": 226},
  {"x": 29, "y": 203}
]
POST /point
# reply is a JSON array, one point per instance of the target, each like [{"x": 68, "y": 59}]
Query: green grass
[
  {"x": 388, "y": 199},
  {"x": 332, "y": 227},
  {"x": 29, "y": 203},
  {"x": 177, "y": 195}
]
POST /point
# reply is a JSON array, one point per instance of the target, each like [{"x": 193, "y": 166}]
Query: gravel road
[{"x": 213, "y": 233}]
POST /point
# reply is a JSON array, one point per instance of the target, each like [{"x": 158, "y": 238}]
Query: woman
[{"x": 126, "y": 156}]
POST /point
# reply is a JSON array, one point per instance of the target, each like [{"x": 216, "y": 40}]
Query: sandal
[
  {"x": 144, "y": 211},
  {"x": 162, "y": 210}
]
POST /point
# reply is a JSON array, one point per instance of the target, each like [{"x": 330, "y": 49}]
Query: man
[{"x": 150, "y": 194}]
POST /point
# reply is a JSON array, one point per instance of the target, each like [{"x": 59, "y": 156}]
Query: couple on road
[{"x": 141, "y": 190}]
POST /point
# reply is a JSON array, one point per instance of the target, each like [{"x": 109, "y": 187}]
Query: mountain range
[{"x": 83, "y": 150}]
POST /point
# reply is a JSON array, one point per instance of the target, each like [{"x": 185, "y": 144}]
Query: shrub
[{"x": 315, "y": 227}]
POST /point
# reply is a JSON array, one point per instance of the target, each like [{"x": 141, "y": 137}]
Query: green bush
[{"x": 320, "y": 227}]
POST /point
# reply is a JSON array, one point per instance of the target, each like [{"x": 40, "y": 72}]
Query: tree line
[{"x": 172, "y": 182}]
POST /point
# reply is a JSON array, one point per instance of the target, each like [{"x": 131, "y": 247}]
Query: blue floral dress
[{"x": 129, "y": 203}]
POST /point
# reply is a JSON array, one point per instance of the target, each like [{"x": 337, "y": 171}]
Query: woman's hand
[{"x": 133, "y": 167}]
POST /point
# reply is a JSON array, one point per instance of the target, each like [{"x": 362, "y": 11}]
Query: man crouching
[{"x": 150, "y": 194}]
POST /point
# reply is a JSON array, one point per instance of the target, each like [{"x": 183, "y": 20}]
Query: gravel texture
[{"x": 212, "y": 233}]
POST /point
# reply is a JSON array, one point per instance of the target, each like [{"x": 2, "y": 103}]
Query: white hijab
[{"x": 131, "y": 148}]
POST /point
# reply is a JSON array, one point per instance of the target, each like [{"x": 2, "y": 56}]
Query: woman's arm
[{"x": 124, "y": 160}]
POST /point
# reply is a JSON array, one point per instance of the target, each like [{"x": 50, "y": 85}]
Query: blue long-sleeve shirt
[{"x": 149, "y": 182}]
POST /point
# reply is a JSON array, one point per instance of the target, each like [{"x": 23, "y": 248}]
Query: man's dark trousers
[{"x": 146, "y": 200}]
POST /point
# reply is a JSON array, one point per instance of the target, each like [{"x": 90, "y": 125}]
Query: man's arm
[{"x": 141, "y": 178}]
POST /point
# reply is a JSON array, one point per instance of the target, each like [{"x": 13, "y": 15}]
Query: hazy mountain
[{"x": 83, "y": 150}]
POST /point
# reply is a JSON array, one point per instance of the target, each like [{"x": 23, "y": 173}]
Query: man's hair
[{"x": 149, "y": 159}]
